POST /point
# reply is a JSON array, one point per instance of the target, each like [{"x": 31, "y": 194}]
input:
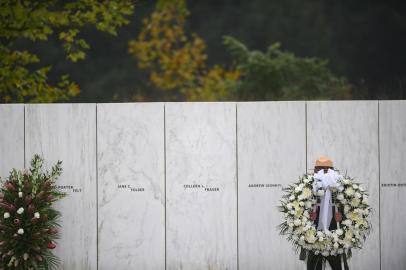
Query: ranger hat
[{"x": 324, "y": 162}]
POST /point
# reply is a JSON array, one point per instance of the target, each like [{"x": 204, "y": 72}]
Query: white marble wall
[
  {"x": 392, "y": 138},
  {"x": 165, "y": 149},
  {"x": 131, "y": 200},
  {"x": 11, "y": 138},
  {"x": 271, "y": 154},
  {"x": 67, "y": 132},
  {"x": 201, "y": 150},
  {"x": 347, "y": 132}
]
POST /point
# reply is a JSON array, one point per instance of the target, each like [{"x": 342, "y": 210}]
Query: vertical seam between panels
[
  {"x": 379, "y": 190},
  {"x": 236, "y": 156},
  {"x": 165, "y": 177},
  {"x": 97, "y": 196}
]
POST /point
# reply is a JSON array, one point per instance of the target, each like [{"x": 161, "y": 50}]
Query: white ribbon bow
[{"x": 326, "y": 181}]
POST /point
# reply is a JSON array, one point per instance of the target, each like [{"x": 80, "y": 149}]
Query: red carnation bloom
[{"x": 51, "y": 245}]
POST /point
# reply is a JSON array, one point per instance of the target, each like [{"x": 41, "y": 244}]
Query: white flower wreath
[{"x": 300, "y": 200}]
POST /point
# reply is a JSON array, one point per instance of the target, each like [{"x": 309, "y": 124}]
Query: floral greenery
[
  {"x": 28, "y": 223},
  {"x": 297, "y": 204}
]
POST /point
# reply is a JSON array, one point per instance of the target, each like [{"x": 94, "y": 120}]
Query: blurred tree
[
  {"x": 20, "y": 79},
  {"x": 176, "y": 61},
  {"x": 278, "y": 75}
]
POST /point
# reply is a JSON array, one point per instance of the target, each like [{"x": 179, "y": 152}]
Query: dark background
[{"x": 364, "y": 41}]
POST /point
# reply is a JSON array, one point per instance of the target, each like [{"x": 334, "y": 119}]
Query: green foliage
[
  {"x": 28, "y": 223},
  {"x": 176, "y": 60},
  {"x": 177, "y": 65},
  {"x": 20, "y": 79},
  {"x": 279, "y": 75}
]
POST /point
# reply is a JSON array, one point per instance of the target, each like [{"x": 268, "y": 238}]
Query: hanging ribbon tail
[
  {"x": 326, "y": 181},
  {"x": 326, "y": 212}
]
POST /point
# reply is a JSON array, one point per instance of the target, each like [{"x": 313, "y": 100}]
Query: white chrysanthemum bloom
[
  {"x": 20, "y": 231},
  {"x": 20, "y": 194},
  {"x": 346, "y": 209},
  {"x": 299, "y": 188},
  {"x": 297, "y": 222},
  {"x": 310, "y": 238},
  {"x": 20, "y": 210},
  {"x": 340, "y": 197},
  {"x": 328, "y": 233},
  {"x": 355, "y": 186},
  {"x": 347, "y": 222},
  {"x": 336, "y": 245},
  {"x": 355, "y": 202},
  {"x": 316, "y": 252},
  {"x": 344, "y": 201},
  {"x": 339, "y": 232},
  {"x": 325, "y": 253},
  {"x": 6, "y": 215},
  {"x": 346, "y": 181},
  {"x": 307, "y": 193},
  {"x": 289, "y": 206},
  {"x": 301, "y": 203},
  {"x": 349, "y": 191},
  {"x": 357, "y": 195},
  {"x": 292, "y": 198},
  {"x": 348, "y": 235},
  {"x": 300, "y": 197},
  {"x": 290, "y": 224},
  {"x": 361, "y": 189},
  {"x": 321, "y": 239},
  {"x": 299, "y": 230},
  {"x": 320, "y": 192},
  {"x": 36, "y": 215},
  {"x": 292, "y": 212}
]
